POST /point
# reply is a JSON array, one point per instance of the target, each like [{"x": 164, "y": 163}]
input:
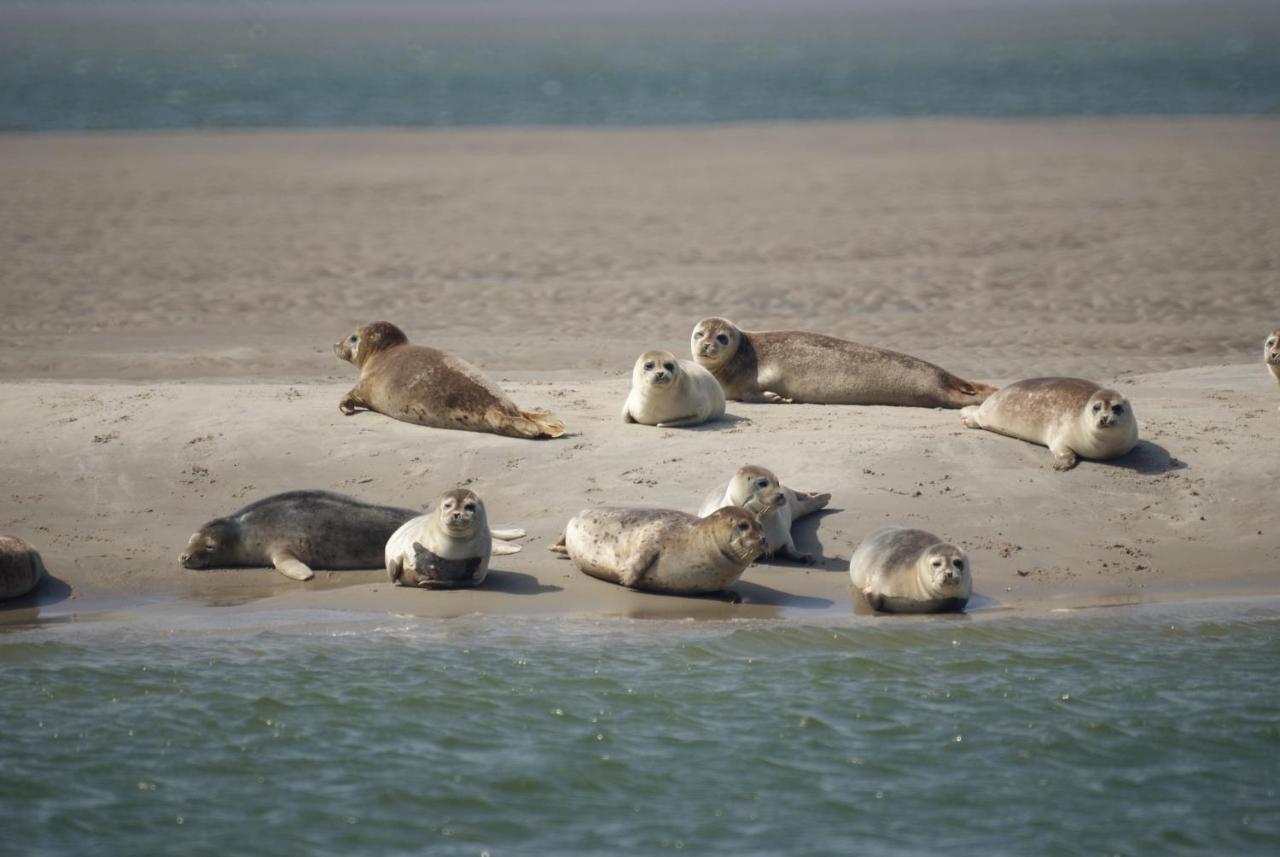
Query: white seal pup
[
  {"x": 448, "y": 548},
  {"x": 901, "y": 570},
  {"x": 669, "y": 393},
  {"x": 660, "y": 550},
  {"x": 426, "y": 386},
  {"x": 775, "y": 506},
  {"x": 1073, "y": 417},
  {"x": 785, "y": 366},
  {"x": 297, "y": 531},
  {"x": 21, "y": 568},
  {"x": 1271, "y": 354}
]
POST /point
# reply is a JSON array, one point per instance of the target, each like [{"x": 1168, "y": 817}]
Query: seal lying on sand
[
  {"x": 785, "y": 366},
  {"x": 775, "y": 506},
  {"x": 660, "y": 550},
  {"x": 667, "y": 392},
  {"x": 448, "y": 548},
  {"x": 431, "y": 388},
  {"x": 1073, "y": 417},
  {"x": 1271, "y": 354},
  {"x": 21, "y": 568},
  {"x": 902, "y": 570},
  {"x": 297, "y": 531}
]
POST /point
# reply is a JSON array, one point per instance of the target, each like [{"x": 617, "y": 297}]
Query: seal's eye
[
  {"x": 1097, "y": 407},
  {"x": 648, "y": 367},
  {"x": 353, "y": 338},
  {"x": 1117, "y": 410},
  {"x": 723, "y": 338},
  {"x": 744, "y": 526},
  {"x": 698, "y": 334},
  {"x": 470, "y": 507},
  {"x": 670, "y": 367},
  {"x": 210, "y": 547},
  {"x": 959, "y": 563},
  {"x": 763, "y": 483}
]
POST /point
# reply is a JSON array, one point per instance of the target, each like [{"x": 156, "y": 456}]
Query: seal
[
  {"x": 1075, "y": 418},
  {"x": 785, "y": 366},
  {"x": 902, "y": 570},
  {"x": 426, "y": 386},
  {"x": 297, "y": 531},
  {"x": 21, "y": 568},
  {"x": 449, "y": 548},
  {"x": 775, "y": 506},
  {"x": 661, "y": 550},
  {"x": 668, "y": 393},
  {"x": 1271, "y": 354}
]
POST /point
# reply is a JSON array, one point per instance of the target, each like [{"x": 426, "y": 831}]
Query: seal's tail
[
  {"x": 531, "y": 424},
  {"x": 559, "y": 547},
  {"x": 969, "y": 392}
]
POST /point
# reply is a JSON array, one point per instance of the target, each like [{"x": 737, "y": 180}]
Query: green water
[{"x": 1107, "y": 732}]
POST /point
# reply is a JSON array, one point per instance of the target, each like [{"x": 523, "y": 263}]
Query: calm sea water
[
  {"x": 128, "y": 64},
  {"x": 1105, "y": 732}
]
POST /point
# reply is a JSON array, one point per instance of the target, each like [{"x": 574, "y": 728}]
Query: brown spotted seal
[
  {"x": 661, "y": 550},
  {"x": 1075, "y": 418},
  {"x": 776, "y": 506},
  {"x": 902, "y": 570},
  {"x": 297, "y": 531},
  {"x": 426, "y": 386},
  {"x": 21, "y": 568},
  {"x": 447, "y": 548},
  {"x": 667, "y": 392},
  {"x": 785, "y": 366}
]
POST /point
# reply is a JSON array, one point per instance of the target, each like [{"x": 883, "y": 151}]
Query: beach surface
[{"x": 168, "y": 304}]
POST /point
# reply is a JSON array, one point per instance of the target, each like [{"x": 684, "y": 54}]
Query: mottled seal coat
[
  {"x": 431, "y": 388},
  {"x": 660, "y": 550},
  {"x": 668, "y": 393},
  {"x": 1073, "y": 417},
  {"x": 785, "y": 366},
  {"x": 1271, "y": 354},
  {"x": 297, "y": 531},
  {"x": 447, "y": 548},
  {"x": 775, "y": 506},
  {"x": 21, "y": 568},
  {"x": 902, "y": 570}
]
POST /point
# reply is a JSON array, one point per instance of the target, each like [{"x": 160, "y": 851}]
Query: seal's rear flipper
[
  {"x": 810, "y": 503},
  {"x": 559, "y": 547},
  {"x": 503, "y": 549},
  {"x": 509, "y": 534}
]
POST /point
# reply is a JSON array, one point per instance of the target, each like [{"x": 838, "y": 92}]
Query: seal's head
[
  {"x": 1271, "y": 348},
  {"x": 461, "y": 513},
  {"x": 1108, "y": 411},
  {"x": 756, "y": 489},
  {"x": 738, "y": 534},
  {"x": 212, "y": 545},
  {"x": 944, "y": 569},
  {"x": 368, "y": 340},
  {"x": 714, "y": 341},
  {"x": 655, "y": 369}
]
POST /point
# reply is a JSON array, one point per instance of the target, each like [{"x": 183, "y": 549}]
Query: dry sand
[{"x": 168, "y": 304}]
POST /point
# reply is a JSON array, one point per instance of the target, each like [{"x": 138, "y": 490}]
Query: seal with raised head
[
  {"x": 297, "y": 531},
  {"x": 785, "y": 366},
  {"x": 901, "y": 570},
  {"x": 1271, "y": 354},
  {"x": 775, "y": 506},
  {"x": 1075, "y": 418},
  {"x": 661, "y": 550},
  {"x": 21, "y": 568},
  {"x": 668, "y": 393},
  {"x": 448, "y": 548},
  {"x": 429, "y": 387}
]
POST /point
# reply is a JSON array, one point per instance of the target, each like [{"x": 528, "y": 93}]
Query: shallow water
[{"x": 1135, "y": 731}]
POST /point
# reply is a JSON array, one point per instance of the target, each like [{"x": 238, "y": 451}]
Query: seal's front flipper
[
  {"x": 290, "y": 566},
  {"x": 634, "y": 571}
]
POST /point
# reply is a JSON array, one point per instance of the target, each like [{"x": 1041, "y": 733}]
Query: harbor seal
[
  {"x": 297, "y": 531},
  {"x": 1271, "y": 354},
  {"x": 426, "y": 386},
  {"x": 660, "y": 550},
  {"x": 785, "y": 366},
  {"x": 667, "y": 393},
  {"x": 21, "y": 568},
  {"x": 448, "y": 548},
  {"x": 901, "y": 570},
  {"x": 1073, "y": 417},
  {"x": 775, "y": 506}
]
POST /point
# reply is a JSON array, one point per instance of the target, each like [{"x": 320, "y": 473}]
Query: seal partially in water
[
  {"x": 21, "y": 568},
  {"x": 784, "y": 366},
  {"x": 661, "y": 550},
  {"x": 668, "y": 393},
  {"x": 448, "y": 548},
  {"x": 426, "y": 386},
  {"x": 297, "y": 531},
  {"x": 902, "y": 570},
  {"x": 1075, "y": 418},
  {"x": 776, "y": 506}
]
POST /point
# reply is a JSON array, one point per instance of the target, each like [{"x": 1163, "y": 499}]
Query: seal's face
[
  {"x": 714, "y": 341},
  {"x": 757, "y": 490},
  {"x": 1107, "y": 409},
  {"x": 211, "y": 545},
  {"x": 367, "y": 340},
  {"x": 461, "y": 513},
  {"x": 655, "y": 369},
  {"x": 741, "y": 536},
  {"x": 1271, "y": 348},
  {"x": 945, "y": 567}
]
